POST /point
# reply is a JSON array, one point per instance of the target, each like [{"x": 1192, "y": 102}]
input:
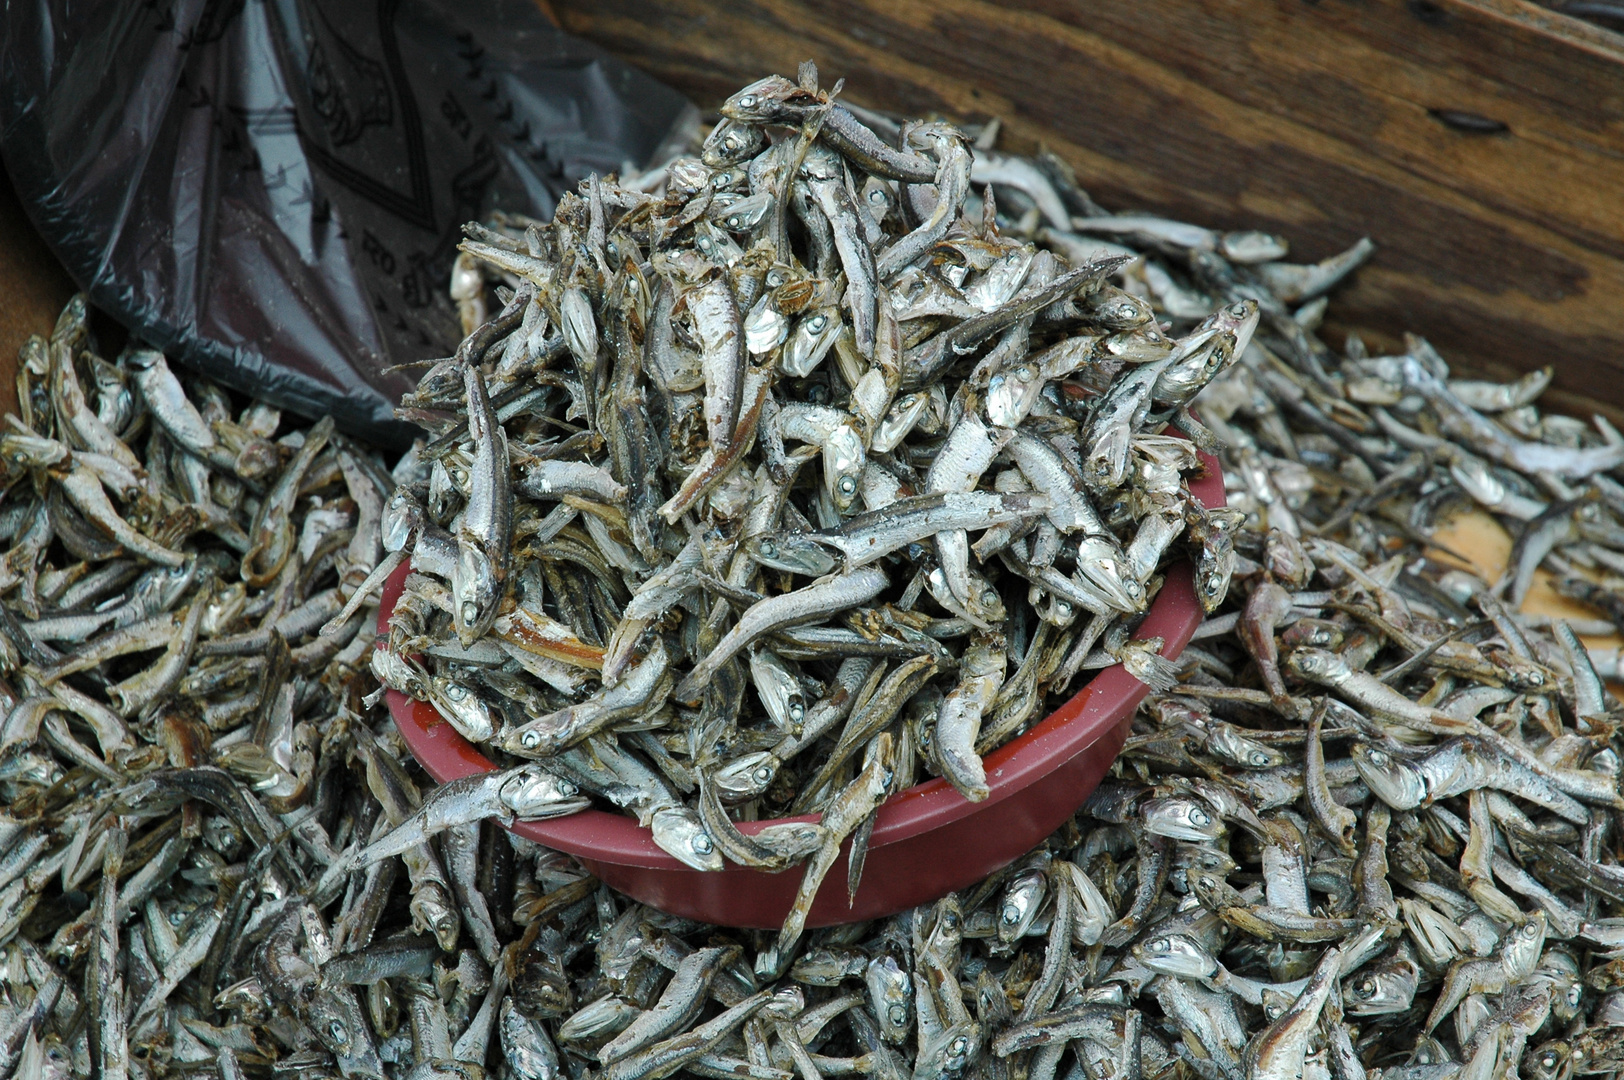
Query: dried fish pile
[
  {"x": 787, "y": 485},
  {"x": 1365, "y": 823}
]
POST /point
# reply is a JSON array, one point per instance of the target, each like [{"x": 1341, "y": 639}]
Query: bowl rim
[{"x": 607, "y": 837}]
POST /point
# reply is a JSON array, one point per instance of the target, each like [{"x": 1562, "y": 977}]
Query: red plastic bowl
[{"x": 929, "y": 840}]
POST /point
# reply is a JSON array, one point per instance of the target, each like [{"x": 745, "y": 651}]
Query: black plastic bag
[{"x": 272, "y": 190}]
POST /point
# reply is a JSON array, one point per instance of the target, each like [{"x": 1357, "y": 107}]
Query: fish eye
[
  {"x": 1574, "y": 994},
  {"x": 1010, "y": 914},
  {"x": 848, "y": 485},
  {"x": 767, "y": 548},
  {"x": 1367, "y": 988},
  {"x": 796, "y": 710},
  {"x": 1160, "y": 944},
  {"x": 337, "y": 1030},
  {"x": 898, "y": 1015},
  {"x": 1198, "y": 816},
  {"x": 1260, "y": 758},
  {"x": 455, "y": 692},
  {"x": 1548, "y": 1061},
  {"x": 531, "y": 740},
  {"x": 1062, "y": 607},
  {"x": 701, "y": 843},
  {"x": 732, "y": 140},
  {"x": 816, "y": 323},
  {"x": 734, "y": 221},
  {"x": 763, "y": 775},
  {"x": 775, "y": 278},
  {"x": 989, "y": 597},
  {"x": 958, "y": 1046},
  {"x": 702, "y": 243},
  {"x": 1378, "y": 758},
  {"x": 748, "y": 101},
  {"x": 470, "y": 611},
  {"x": 876, "y": 196}
]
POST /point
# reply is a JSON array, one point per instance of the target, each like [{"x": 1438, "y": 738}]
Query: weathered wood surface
[
  {"x": 1314, "y": 118},
  {"x": 33, "y": 288}
]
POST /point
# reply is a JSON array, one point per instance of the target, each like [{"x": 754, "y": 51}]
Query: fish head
[
  {"x": 983, "y": 602},
  {"x": 877, "y": 199},
  {"x": 341, "y": 1027},
  {"x": 1312, "y": 633},
  {"x": 678, "y": 832},
  {"x": 1551, "y": 1060},
  {"x": 1397, "y": 782},
  {"x": 1203, "y": 858},
  {"x": 890, "y": 996},
  {"x": 1239, "y": 320},
  {"x": 1317, "y": 665},
  {"x": 1213, "y": 891},
  {"x": 843, "y": 459},
  {"x": 944, "y": 927},
  {"x": 1519, "y": 952},
  {"x": 1012, "y": 393},
  {"x": 1106, "y": 464},
  {"x": 1521, "y": 674},
  {"x": 1121, "y": 310},
  {"x": 1101, "y": 562},
  {"x": 532, "y": 792},
  {"x": 746, "y": 776},
  {"x": 731, "y": 142},
  {"x": 898, "y": 421},
  {"x": 1379, "y": 991},
  {"x": 796, "y": 553},
  {"x": 1181, "y": 818},
  {"x": 466, "y": 711},
  {"x": 1229, "y": 744},
  {"x": 444, "y": 495},
  {"x": 793, "y": 840},
  {"x": 779, "y": 690},
  {"x": 1022, "y": 899},
  {"x": 768, "y": 100},
  {"x": 1560, "y": 971},
  {"x": 31, "y": 451},
  {"x": 476, "y": 592},
  {"x": 403, "y": 516},
  {"x": 1176, "y": 954},
  {"x": 809, "y": 343},
  {"x": 1213, "y": 573},
  {"x": 398, "y": 673}
]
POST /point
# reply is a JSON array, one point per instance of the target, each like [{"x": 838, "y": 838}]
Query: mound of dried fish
[
  {"x": 1365, "y": 825},
  {"x": 790, "y": 484}
]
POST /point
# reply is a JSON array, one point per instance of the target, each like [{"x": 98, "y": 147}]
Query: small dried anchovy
[{"x": 1364, "y": 825}]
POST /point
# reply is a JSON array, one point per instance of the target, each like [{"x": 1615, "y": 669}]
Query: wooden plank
[
  {"x": 1316, "y": 119},
  {"x": 35, "y": 287}
]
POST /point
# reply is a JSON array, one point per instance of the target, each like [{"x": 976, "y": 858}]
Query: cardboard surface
[{"x": 1487, "y": 547}]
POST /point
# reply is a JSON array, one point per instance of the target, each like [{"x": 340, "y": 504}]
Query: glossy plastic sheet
[{"x": 272, "y": 190}]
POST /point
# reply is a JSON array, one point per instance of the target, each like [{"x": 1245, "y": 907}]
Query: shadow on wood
[{"x": 1478, "y": 142}]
